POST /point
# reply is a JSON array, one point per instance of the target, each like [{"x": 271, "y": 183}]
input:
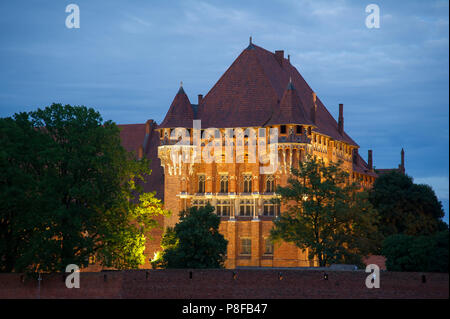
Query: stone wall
[{"x": 240, "y": 283}]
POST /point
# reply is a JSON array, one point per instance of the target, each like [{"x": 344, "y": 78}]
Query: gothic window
[
  {"x": 299, "y": 129},
  {"x": 246, "y": 246},
  {"x": 199, "y": 203},
  {"x": 201, "y": 183},
  {"x": 270, "y": 208},
  {"x": 246, "y": 207},
  {"x": 247, "y": 183},
  {"x": 223, "y": 208},
  {"x": 270, "y": 184},
  {"x": 224, "y": 183},
  {"x": 283, "y": 129}
]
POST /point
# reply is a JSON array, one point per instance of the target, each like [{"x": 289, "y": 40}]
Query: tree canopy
[
  {"x": 326, "y": 214},
  {"x": 194, "y": 242},
  {"x": 417, "y": 253},
  {"x": 405, "y": 207},
  {"x": 69, "y": 191}
]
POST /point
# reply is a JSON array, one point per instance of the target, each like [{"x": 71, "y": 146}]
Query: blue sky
[{"x": 128, "y": 58}]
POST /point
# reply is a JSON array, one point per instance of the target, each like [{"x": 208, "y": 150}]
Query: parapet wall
[{"x": 240, "y": 283}]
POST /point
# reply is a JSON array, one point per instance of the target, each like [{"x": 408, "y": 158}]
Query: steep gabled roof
[
  {"x": 361, "y": 166},
  {"x": 290, "y": 110},
  {"x": 249, "y": 92},
  {"x": 180, "y": 113}
]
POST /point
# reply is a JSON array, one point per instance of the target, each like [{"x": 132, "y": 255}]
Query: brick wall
[{"x": 247, "y": 283}]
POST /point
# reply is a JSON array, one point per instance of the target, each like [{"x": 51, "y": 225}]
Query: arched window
[
  {"x": 270, "y": 184},
  {"x": 247, "y": 183},
  {"x": 224, "y": 183}
]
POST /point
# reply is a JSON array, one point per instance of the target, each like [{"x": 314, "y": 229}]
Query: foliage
[
  {"x": 417, "y": 253},
  {"x": 405, "y": 207},
  {"x": 69, "y": 191},
  {"x": 194, "y": 242},
  {"x": 327, "y": 214}
]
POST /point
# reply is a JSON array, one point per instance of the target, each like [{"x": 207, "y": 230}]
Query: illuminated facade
[{"x": 260, "y": 90}]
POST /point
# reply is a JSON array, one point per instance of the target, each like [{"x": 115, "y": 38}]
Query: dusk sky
[{"x": 128, "y": 57}]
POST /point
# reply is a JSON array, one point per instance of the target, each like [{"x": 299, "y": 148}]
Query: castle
[{"x": 261, "y": 90}]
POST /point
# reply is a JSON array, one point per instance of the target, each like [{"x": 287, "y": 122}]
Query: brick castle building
[{"x": 260, "y": 89}]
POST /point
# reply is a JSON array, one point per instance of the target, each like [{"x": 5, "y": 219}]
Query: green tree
[
  {"x": 326, "y": 214},
  {"x": 405, "y": 207},
  {"x": 194, "y": 242},
  {"x": 417, "y": 253},
  {"x": 69, "y": 191}
]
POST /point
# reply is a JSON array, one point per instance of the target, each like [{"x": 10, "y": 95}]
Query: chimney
[
  {"x": 341, "y": 119},
  {"x": 289, "y": 58},
  {"x": 200, "y": 98},
  {"x": 402, "y": 165},
  {"x": 279, "y": 55},
  {"x": 370, "y": 160},
  {"x": 313, "y": 107},
  {"x": 355, "y": 155}
]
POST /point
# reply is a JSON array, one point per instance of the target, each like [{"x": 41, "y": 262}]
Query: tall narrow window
[
  {"x": 270, "y": 184},
  {"x": 246, "y": 246},
  {"x": 224, "y": 183},
  {"x": 299, "y": 129},
  {"x": 247, "y": 183},
  {"x": 283, "y": 129},
  {"x": 201, "y": 183}
]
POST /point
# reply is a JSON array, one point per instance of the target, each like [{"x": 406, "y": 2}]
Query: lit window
[
  {"x": 224, "y": 183},
  {"x": 247, "y": 183},
  {"x": 270, "y": 184},
  {"x": 270, "y": 208},
  {"x": 223, "y": 208},
  {"x": 246, "y": 246},
  {"x": 198, "y": 203},
  {"x": 246, "y": 207}
]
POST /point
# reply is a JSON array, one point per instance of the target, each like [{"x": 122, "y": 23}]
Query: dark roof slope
[
  {"x": 248, "y": 94},
  {"x": 180, "y": 113},
  {"x": 290, "y": 110}
]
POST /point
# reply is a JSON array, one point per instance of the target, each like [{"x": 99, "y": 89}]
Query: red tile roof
[
  {"x": 131, "y": 136},
  {"x": 180, "y": 113},
  {"x": 360, "y": 166},
  {"x": 290, "y": 109},
  {"x": 248, "y": 94}
]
